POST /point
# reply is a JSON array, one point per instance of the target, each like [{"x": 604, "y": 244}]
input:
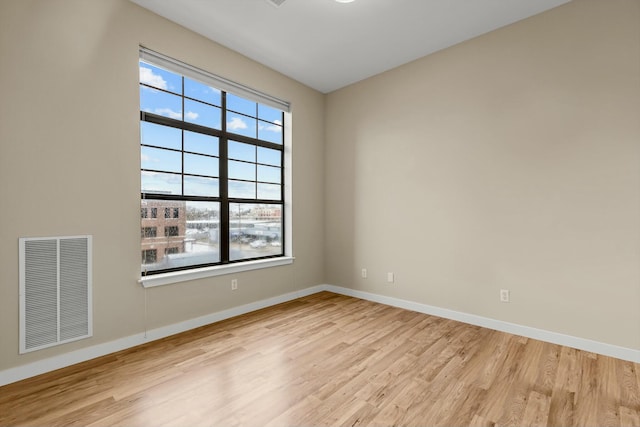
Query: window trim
[{"x": 171, "y": 277}]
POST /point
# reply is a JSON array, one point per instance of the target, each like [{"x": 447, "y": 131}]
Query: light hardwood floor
[{"x": 329, "y": 359}]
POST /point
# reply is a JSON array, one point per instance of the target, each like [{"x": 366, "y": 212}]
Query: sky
[{"x": 254, "y": 172}]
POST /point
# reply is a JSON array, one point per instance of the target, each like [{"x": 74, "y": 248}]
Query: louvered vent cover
[{"x": 55, "y": 291}]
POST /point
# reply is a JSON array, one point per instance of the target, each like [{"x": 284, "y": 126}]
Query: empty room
[{"x": 320, "y": 212}]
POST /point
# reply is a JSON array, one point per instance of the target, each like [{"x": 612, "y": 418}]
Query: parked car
[{"x": 257, "y": 244}]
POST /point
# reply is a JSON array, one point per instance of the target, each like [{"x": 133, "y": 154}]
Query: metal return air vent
[{"x": 55, "y": 291}]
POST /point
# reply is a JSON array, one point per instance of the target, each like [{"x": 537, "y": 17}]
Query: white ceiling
[{"x": 327, "y": 45}]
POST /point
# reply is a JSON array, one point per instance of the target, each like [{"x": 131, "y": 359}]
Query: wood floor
[{"x": 334, "y": 360}]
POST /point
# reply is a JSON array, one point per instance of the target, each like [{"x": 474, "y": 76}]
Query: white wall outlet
[
  {"x": 390, "y": 277},
  {"x": 234, "y": 284},
  {"x": 363, "y": 273},
  {"x": 504, "y": 295}
]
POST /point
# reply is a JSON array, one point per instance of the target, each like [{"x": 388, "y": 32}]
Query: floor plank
[{"x": 329, "y": 359}]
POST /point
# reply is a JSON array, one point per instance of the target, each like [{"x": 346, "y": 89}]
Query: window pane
[
  {"x": 199, "y": 186},
  {"x": 200, "y": 143},
  {"x": 172, "y": 212},
  {"x": 241, "y": 105},
  {"x": 161, "y": 103},
  {"x": 269, "y": 114},
  {"x": 240, "y": 170},
  {"x": 269, "y": 174},
  {"x": 269, "y": 156},
  {"x": 202, "y": 114},
  {"x": 160, "y": 78},
  {"x": 240, "y": 151},
  {"x": 160, "y": 136},
  {"x": 160, "y": 159},
  {"x": 255, "y": 230},
  {"x": 171, "y": 231},
  {"x": 149, "y": 256},
  {"x": 241, "y": 125},
  {"x": 202, "y": 92},
  {"x": 149, "y": 232},
  {"x": 269, "y": 191},
  {"x": 270, "y": 131},
  {"x": 163, "y": 183},
  {"x": 200, "y": 165},
  {"x": 191, "y": 238},
  {"x": 242, "y": 190}
]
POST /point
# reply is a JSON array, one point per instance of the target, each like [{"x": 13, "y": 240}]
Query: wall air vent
[
  {"x": 276, "y": 3},
  {"x": 55, "y": 291}
]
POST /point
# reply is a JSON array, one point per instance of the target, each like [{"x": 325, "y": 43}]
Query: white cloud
[
  {"x": 236, "y": 123},
  {"x": 168, "y": 112},
  {"x": 273, "y": 127},
  {"x": 147, "y": 77},
  {"x": 211, "y": 90},
  {"x": 148, "y": 159}
]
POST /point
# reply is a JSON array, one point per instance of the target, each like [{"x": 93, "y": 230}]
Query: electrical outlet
[
  {"x": 390, "y": 277},
  {"x": 234, "y": 284},
  {"x": 504, "y": 295},
  {"x": 364, "y": 273}
]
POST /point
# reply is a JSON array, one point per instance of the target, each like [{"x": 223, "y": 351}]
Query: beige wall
[
  {"x": 509, "y": 161},
  {"x": 69, "y": 160}
]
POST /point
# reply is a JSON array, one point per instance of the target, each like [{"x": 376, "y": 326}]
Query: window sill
[{"x": 218, "y": 270}]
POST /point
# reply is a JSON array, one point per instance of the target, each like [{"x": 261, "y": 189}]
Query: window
[
  {"x": 171, "y": 212},
  {"x": 149, "y": 256},
  {"x": 147, "y": 232},
  {"x": 172, "y": 231},
  {"x": 212, "y": 161}
]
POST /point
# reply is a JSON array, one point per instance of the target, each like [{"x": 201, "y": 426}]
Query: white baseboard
[
  {"x": 46, "y": 365},
  {"x": 498, "y": 325},
  {"x": 67, "y": 359}
]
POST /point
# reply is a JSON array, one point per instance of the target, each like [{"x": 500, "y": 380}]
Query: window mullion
[{"x": 224, "y": 186}]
